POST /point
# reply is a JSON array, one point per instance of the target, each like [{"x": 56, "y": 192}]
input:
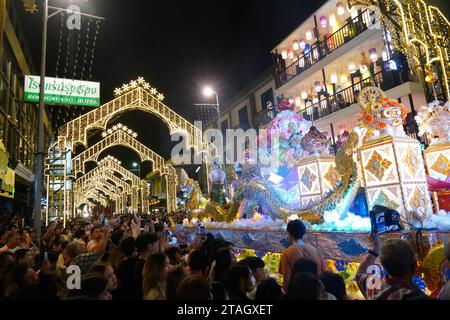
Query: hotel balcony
[
  {"x": 325, "y": 104},
  {"x": 357, "y": 30}
]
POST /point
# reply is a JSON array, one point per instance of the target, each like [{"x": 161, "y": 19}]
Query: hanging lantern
[
  {"x": 291, "y": 54},
  {"x": 316, "y": 53},
  {"x": 354, "y": 14},
  {"x": 291, "y": 100},
  {"x": 363, "y": 68},
  {"x": 332, "y": 20},
  {"x": 307, "y": 48},
  {"x": 333, "y": 78},
  {"x": 301, "y": 62},
  {"x": 344, "y": 78},
  {"x": 302, "y": 44},
  {"x": 295, "y": 45},
  {"x": 323, "y": 22},
  {"x": 317, "y": 86},
  {"x": 298, "y": 101},
  {"x": 373, "y": 55},
  {"x": 308, "y": 35},
  {"x": 304, "y": 95},
  {"x": 352, "y": 68},
  {"x": 284, "y": 54},
  {"x": 340, "y": 8}
]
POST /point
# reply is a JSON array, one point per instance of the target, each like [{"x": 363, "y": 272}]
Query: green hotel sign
[{"x": 63, "y": 91}]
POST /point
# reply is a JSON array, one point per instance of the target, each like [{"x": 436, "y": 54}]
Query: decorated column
[
  {"x": 317, "y": 172},
  {"x": 393, "y": 169}
]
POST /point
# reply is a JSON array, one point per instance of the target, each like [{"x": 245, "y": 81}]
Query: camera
[{"x": 385, "y": 220}]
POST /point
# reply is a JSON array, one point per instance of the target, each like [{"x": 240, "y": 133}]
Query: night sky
[{"x": 180, "y": 46}]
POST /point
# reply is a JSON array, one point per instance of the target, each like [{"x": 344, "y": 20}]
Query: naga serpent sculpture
[{"x": 266, "y": 196}]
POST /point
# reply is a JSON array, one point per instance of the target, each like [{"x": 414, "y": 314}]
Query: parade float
[
  {"x": 377, "y": 164},
  {"x": 434, "y": 122}
]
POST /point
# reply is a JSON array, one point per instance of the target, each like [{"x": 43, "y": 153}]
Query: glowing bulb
[
  {"x": 323, "y": 22},
  {"x": 296, "y": 45},
  {"x": 301, "y": 62},
  {"x": 308, "y": 35},
  {"x": 208, "y": 91},
  {"x": 384, "y": 55},
  {"x": 284, "y": 54},
  {"x": 354, "y": 14},
  {"x": 344, "y": 78},
  {"x": 291, "y": 54},
  {"x": 304, "y": 95},
  {"x": 302, "y": 43},
  {"x": 340, "y": 8},
  {"x": 317, "y": 86},
  {"x": 352, "y": 68},
  {"x": 363, "y": 68},
  {"x": 332, "y": 20},
  {"x": 373, "y": 55},
  {"x": 298, "y": 101},
  {"x": 334, "y": 78}
]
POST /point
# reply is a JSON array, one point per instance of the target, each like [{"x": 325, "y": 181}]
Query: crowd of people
[{"x": 129, "y": 258}]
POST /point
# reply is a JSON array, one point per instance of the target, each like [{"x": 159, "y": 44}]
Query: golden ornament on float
[{"x": 381, "y": 113}]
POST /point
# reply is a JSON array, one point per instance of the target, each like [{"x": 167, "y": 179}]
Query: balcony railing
[
  {"x": 321, "y": 49},
  {"x": 342, "y": 99}
]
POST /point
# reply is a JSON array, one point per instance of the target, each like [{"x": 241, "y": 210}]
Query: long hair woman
[
  {"x": 155, "y": 273},
  {"x": 222, "y": 262},
  {"x": 174, "y": 278}
]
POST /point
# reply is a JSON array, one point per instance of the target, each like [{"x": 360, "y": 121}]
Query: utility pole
[
  {"x": 31, "y": 7},
  {"x": 39, "y": 157}
]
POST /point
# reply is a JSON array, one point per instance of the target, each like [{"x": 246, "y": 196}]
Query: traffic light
[{"x": 30, "y": 6}]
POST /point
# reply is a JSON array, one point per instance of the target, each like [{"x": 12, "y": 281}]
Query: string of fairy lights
[
  {"x": 139, "y": 83},
  {"x": 421, "y": 32},
  {"x": 77, "y": 61}
]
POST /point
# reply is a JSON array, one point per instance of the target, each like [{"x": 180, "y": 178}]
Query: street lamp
[
  {"x": 208, "y": 92},
  {"x": 39, "y": 158},
  {"x": 137, "y": 167}
]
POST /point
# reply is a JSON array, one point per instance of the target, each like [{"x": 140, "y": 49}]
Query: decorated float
[{"x": 377, "y": 164}]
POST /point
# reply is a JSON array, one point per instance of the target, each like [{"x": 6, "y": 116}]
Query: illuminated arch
[
  {"x": 85, "y": 199},
  {"x": 136, "y": 96},
  {"x": 121, "y": 135},
  {"x": 105, "y": 172},
  {"x": 131, "y": 184}
]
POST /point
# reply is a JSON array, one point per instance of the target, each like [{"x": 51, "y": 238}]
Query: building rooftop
[{"x": 262, "y": 79}]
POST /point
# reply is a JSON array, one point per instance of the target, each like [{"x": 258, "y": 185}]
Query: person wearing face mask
[
  {"x": 259, "y": 273},
  {"x": 240, "y": 281}
]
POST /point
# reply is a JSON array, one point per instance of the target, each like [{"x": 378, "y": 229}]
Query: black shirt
[
  {"x": 127, "y": 288},
  {"x": 138, "y": 277}
]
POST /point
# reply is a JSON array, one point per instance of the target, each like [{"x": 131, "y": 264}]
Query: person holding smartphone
[{"x": 399, "y": 262}]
